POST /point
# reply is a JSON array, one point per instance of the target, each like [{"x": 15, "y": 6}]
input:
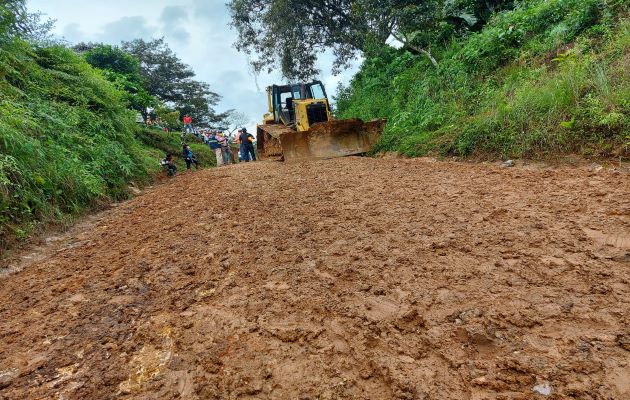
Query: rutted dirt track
[{"x": 341, "y": 279}]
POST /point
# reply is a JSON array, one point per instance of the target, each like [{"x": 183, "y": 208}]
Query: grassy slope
[
  {"x": 549, "y": 77},
  {"x": 158, "y": 143},
  {"x": 67, "y": 141}
]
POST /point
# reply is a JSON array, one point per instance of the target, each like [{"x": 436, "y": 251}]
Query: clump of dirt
[{"x": 347, "y": 278}]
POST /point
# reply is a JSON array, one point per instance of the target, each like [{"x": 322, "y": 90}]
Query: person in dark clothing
[
  {"x": 169, "y": 165},
  {"x": 247, "y": 145},
  {"x": 189, "y": 157}
]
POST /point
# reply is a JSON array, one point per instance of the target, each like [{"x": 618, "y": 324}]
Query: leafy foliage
[
  {"x": 114, "y": 59},
  {"x": 122, "y": 69},
  {"x": 15, "y": 20},
  {"x": 67, "y": 138},
  {"x": 545, "y": 77},
  {"x": 296, "y": 31}
]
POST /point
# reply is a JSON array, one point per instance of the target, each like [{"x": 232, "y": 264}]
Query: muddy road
[{"x": 343, "y": 279}]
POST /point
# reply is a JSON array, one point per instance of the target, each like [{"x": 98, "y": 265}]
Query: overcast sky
[{"x": 197, "y": 30}]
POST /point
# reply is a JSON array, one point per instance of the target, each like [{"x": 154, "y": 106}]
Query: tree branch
[{"x": 416, "y": 49}]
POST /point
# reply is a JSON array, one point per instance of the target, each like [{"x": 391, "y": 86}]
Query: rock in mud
[
  {"x": 6, "y": 378},
  {"x": 543, "y": 388},
  {"x": 624, "y": 342},
  {"x": 508, "y": 164}
]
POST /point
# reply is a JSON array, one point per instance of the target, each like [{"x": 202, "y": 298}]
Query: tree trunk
[{"x": 419, "y": 50}]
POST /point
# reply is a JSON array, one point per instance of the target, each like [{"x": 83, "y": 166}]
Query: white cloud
[
  {"x": 211, "y": 10},
  {"x": 126, "y": 28},
  {"x": 174, "y": 20},
  {"x": 174, "y": 15}
]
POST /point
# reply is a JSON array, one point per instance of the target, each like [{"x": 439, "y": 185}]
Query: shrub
[
  {"x": 67, "y": 139},
  {"x": 547, "y": 76}
]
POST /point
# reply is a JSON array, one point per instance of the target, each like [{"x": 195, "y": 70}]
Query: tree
[
  {"x": 122, "y": 69},
  {"x": 84, "y": 47},
  {"x": 113, "y": 58},
  {"x": 164, "y": 73},
  {"x": 170, "y": 80},
  {"x": 294, "y": 32},
  {"x": 198, "y": 101},
  {"x": 13, "y": 16},
  {"x": 15, "y": 20},
  {"x": 235, "y": 120},
  {"x": 168, "y": 117}
]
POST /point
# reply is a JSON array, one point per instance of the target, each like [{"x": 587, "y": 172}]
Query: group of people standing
[
  {"x": 227, "y": 149},
  {"x": 222, "y": 143}
]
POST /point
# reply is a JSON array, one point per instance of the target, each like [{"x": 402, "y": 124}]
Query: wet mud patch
[{"x": 348, "y": 278}]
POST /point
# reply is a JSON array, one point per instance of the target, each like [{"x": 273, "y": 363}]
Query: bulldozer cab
[{"x": 283, "y": 100}]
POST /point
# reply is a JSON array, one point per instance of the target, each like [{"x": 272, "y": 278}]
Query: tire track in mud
[{"x": 346, "y": 278}]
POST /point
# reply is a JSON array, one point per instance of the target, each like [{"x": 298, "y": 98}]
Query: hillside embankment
[{"x": 542, "y": 79}]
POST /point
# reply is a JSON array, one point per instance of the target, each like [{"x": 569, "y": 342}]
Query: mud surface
[{"x": 349, "y": 278}]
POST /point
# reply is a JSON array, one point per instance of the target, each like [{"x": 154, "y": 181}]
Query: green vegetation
[
  {"x": 545, "y": 77},
  {"x": 122, "y": 69},
  {"x": 492, "y": 78},
  {"x": 288, "y": 35},
  {"x": 68, "y": 139}
]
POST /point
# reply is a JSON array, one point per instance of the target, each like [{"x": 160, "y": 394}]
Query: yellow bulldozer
[{"x": 300, "y": 126}]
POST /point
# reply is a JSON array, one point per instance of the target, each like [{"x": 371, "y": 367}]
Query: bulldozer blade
[
  {"x": 331, "y": 139},
  {"x": 268, "y": 140}
]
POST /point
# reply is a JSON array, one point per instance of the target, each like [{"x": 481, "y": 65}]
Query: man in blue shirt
[
  {"x": 215, "y": 145},
  {"x": 189, "y": 157}
]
